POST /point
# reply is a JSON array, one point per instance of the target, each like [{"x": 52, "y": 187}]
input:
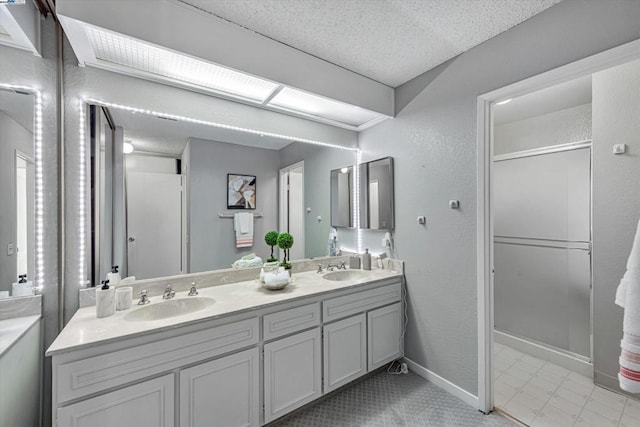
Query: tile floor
[
  {"x": 540, "y": 393},
  {"x": 384, "y": 400}
]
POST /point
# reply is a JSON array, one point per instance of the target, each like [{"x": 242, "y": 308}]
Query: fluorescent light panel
[
  {"x": 298, "y": 101},
  {"x": 132, "y": 53}
]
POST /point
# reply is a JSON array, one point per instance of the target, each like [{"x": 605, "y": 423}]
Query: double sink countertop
[{"x": 86, "y": 330}]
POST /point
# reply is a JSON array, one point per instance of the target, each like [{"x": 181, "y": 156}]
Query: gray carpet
[{"x": 384, "y": 400}]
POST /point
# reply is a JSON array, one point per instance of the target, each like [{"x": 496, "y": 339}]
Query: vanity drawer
[
  {"x": 338, "y": 308},
  {"x": 290, "y": 321},
  {"x": 94, "y": 374}
]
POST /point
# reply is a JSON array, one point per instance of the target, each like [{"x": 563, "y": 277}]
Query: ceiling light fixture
[
  {"x": 506, "y": 101},
  {"x": 127, "y": 148}
]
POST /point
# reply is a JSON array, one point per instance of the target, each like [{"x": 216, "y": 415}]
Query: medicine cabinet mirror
[
  {"x": 376, "y": 194},
  {"x": 342, "y": 197}
]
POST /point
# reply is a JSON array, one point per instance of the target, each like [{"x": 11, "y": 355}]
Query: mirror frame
[{"x": 38, "y": 182}]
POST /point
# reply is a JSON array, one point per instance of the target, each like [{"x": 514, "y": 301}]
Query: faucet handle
[
  {"x": 144, "y": 299},
  {"x": 343, "y": 265},
  {"x": 319, "y": 268},
  {"x": 193, "y": 291}
]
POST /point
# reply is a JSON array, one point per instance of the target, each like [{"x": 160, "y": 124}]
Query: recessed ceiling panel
[
  {"x": 135, "y": 54},
  {"x": 295, "y": 100}
]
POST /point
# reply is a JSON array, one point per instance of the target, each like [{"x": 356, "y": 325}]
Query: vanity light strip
[
  {"x": 39, "y": 182},
  {"x": 82, "y": 202},
  {"x": 215, "y": 124}
]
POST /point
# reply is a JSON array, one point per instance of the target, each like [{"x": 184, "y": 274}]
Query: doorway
[
  {"x": 488, "y": 249},
  {"x": 292, "y": 206}
]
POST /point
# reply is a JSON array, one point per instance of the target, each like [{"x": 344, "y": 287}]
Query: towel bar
[{"x": 230, "y": 215}]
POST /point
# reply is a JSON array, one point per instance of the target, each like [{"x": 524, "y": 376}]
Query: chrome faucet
[
  {"x": 341, "y": 266},
  {"x": 319, "y": 269},
  {"x": 144, "y": 299},
  {"x": 193, "y": 291},
  {"x": 168, "y": 293}
]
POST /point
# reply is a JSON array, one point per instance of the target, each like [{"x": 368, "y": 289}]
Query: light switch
[
  {"x": 454, "y": 204},
  {"x": 619, "y": 148}
]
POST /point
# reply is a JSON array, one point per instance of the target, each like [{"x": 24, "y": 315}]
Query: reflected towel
[
  {"x": 243, "y": 226},
  {"x": 628, "y": 297}
]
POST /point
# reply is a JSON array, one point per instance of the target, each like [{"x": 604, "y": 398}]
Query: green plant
[
  {"x": 285, "y": 242},
  {"x": 271, "y": 239}
]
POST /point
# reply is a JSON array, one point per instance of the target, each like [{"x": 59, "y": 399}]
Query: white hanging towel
[
  {"x": 243, "y": 226},
  {"x": 628, "y": 297}
]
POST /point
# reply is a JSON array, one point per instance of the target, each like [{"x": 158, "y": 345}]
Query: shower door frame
[{"x": 484, "y": 225}]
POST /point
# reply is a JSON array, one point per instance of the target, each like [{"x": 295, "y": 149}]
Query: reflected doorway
[{"x": 292, "y": 206}]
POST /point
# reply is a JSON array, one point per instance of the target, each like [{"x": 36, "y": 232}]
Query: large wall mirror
[
  {"x": 17, "y": 193},
  {"x": 161, "y": 190},
  {"x": 377, "y": 195}
]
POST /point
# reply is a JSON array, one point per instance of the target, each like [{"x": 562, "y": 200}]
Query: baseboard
[
  {"x": 444, "y": 384},
  {"x": 565, "y": 360}
]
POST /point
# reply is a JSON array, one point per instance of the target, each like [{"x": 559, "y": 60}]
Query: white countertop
[
  {"x": 85, "y": 329},
  {"x": 12, "y": 329}
]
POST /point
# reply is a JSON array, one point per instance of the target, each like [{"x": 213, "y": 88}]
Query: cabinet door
[
  {"x": 345, "y": 351},
  {"x": 384, "y": 335},
  {"x": 148, "y": 404},
  {"x": 221, "y": 393},
  {"x": 292, "y": 373}
]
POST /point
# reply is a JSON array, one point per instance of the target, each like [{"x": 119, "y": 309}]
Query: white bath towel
[
  {"x": 243, "y": 226},
  {"x": 628, "y": 297}
]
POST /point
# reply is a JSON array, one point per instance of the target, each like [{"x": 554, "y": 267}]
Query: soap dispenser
[
  {"x": 114, "y": 277},
  {"x": 366, "y": 260},
  {"x": 105, "y": 300}
]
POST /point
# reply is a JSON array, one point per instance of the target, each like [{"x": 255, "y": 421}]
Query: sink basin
[
  {"x": 170, "y": 308},
  {"x": 342, "y": 275}
]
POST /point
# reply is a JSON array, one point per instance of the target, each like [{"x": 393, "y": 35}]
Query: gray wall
[
  {"x": 212, "y": 239},
  {"x": 616, "y": 205},
  {"x": 318, "y": 162},
  {"x": 433, "y": 142},
  {"x": 560, "y": 127},
  {"x": 12, "y": 137}
]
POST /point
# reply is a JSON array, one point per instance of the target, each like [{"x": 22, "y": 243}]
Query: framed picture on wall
[{"x": 241, "y": 191}]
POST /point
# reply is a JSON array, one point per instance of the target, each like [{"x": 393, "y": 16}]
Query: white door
[
  {"x": 292, "y": 210},
  {"x": 384, "y": 335},
  {"x": 154, "y": 224},
  {"x": 292, "y": 373},
  {"x": 345, "y": 351},
  {"x": 148, "y": 404},
  {"x": 221, "y": 393}
]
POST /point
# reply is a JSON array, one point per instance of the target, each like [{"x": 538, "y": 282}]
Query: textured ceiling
[
  {"x": 555, "y": 98},
  {"x": 390, "y": 41}
]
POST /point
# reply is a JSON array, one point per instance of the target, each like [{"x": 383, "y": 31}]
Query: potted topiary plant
[
  {"x": 271, "y": 239},
  {"x": 285, "y": 242}
]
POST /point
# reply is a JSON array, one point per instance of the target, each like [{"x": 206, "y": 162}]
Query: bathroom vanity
[{"x": 245, "y": 358}]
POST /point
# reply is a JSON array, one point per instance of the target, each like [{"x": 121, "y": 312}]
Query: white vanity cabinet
[
  {"x": 345, "y": 351},
  {"x": 384, "y": 331},
  {"x": 292, "y": 373},
  {"x": 221, "y": 393},
  {"x": 147, "y": 404},
  {"x": 239, "y": 369}
]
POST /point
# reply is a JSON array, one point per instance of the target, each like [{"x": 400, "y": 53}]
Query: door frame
[
  {"x": 484, "y": 178},
  {"x": 281, "y": 203}
]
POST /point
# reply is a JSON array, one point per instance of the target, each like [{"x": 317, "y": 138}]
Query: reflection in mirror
[
  {"x": 17, "y": 193},
  {"x": 342, "y": 197},
  {"x": 376, "y": 194},
  {"x": 159, "y": 194}
]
